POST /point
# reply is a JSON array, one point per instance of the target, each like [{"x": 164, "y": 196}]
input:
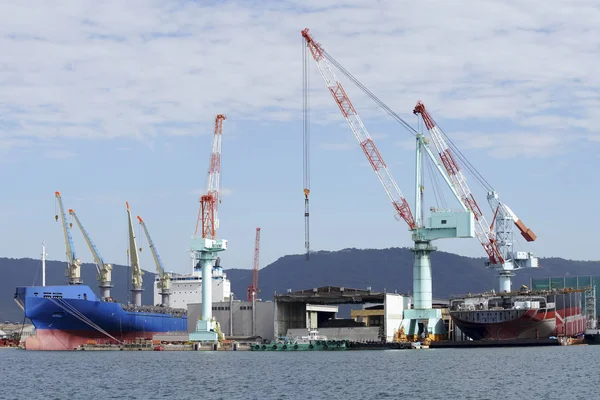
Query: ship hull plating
[
  {"x": 563, "y": 318},
  {"x": 68, "y": 316}
]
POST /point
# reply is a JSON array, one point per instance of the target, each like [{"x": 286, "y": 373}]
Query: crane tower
[
  {"x": 422, "y": 319},
  {"x": 498, "y": 242},
  {"x": 205, "y": 245}
]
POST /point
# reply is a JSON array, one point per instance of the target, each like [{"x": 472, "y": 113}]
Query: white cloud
[
  {"x": 90, "y": 69},
  {"x": 513, "y": 144}
]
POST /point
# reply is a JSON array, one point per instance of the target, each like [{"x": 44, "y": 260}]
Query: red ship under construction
[{"x": 521, "y": 315}]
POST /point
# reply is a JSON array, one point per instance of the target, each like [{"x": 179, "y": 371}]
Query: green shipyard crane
[
  {"x": 422, "y": 319},
  {"x": 164, "y": 279},
  {"x": 205, "y": 248},
  {"x": 104, "y": 269}
]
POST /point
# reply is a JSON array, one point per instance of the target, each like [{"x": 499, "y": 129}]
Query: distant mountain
[{"x": 389, "y": 269}]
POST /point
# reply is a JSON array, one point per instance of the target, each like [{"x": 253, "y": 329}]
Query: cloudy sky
[{"x": 115, "y": 101}]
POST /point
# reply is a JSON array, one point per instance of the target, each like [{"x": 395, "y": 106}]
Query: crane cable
[
  {"x": 306, "y": 143},
  {"x": 482, "y": 181}
]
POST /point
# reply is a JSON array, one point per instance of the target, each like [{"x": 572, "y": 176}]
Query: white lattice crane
[
  {"x": 498, "y": 242},
  {"x": 205, "y": 245},
  {"x": 440, "y": 224}
]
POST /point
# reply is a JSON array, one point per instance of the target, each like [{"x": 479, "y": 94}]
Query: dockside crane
[
  {"x": 164, "y": 282},
  {"x": 73, "y": 263},
  {"x": 253, "y": 287},
  {"x": 134, "y": 261},
  {"x": 498, "y": 242},
  {"x": 205, "y": 245},
  {"x": 440, "y": 224},
  {"x": 104, "y": 269}
]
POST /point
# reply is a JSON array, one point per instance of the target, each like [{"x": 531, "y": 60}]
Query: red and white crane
[
  {"x": 441, "y": 224},
  {"x": 360, "y": 132},
  {"x": 498, "y": 242},
  {"x": 253, "y": 287},
  {"x": 208, "y": 218},
  {"x": 205, "y": 245}
]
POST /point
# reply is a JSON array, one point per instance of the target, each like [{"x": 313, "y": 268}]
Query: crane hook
[{"x": 56, "y": 217}]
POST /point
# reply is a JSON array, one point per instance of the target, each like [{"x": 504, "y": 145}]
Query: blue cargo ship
[{"x": 68, "y": 316}]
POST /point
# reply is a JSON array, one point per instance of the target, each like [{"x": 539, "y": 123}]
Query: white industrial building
[
  {"x": 187, "y": 289},
  {"x": 238, "y": 319}
]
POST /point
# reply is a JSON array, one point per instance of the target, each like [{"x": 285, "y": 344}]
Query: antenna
[{"x": 43, "y": 263}]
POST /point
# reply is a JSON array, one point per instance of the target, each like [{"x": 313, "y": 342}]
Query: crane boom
[
  {"x": 208, "y": 218},
  {"x": 164, "y": 282},
  {"x": 74, "y": 264},
  {"x": 253, "y": 288},
  {"x": 98, "y": 261},
  {"x": 136, "y": 270},
  {"x": 482, "y": 229},
  {"x": 360, "y": 132},
  {"x": 104, "y": 270}
]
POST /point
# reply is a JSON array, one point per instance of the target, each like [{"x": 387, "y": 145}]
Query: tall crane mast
[
  {"x": 134, "y": 260},
  {"x": 104, "y": 269},
  {"x": 205, "y": 245},
  {"x": 440, "y": 225},
  {"x": 164, "y": 282},
  {"x": 253, "y": 288},
  {"x": 497, "y": 243},
  {"x": 73, "y": 263},
  {"x": 208, "y": 219}
]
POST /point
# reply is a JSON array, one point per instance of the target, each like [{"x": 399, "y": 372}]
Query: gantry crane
[
  {"x": 498, "y": 243},
  {"x": 164, "y": 278},
  {"x": 104, "y": 269},
  {"x": 440, "y": 225},
  {"x": 205, "y": 245},
  {"x": 134, "y": 262},
  {"x": 253, "y": 287},
  {"x": 73, "y": 263}
]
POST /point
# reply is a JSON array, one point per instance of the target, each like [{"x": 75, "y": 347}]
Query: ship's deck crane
[
  {"x": 164, "y": 282},
  {"x": 104, "y": 269},
  {"x": 134, "y": 260},
  {"x": 253, "y": 288},
  {"x": 497, "y": 243},
  {"x": 441, "y": 224},
  {"x": 205, "y": 245},
  {"x": 73, "y": 263}
]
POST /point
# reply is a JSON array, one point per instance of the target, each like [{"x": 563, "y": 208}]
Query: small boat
[{"x": 313, "y": 341}]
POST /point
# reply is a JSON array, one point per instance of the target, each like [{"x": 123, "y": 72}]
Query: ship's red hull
[
  {"x": 46, "y": 339},
  {"x": 521, "y": 323}
]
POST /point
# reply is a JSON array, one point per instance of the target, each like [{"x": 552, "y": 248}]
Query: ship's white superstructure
[{"x": 186, "y": 289}]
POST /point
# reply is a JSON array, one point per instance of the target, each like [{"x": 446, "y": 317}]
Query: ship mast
[{"x": 43, "y": 263}]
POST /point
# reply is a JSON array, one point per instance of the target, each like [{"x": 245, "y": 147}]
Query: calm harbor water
[{"x": 567, "y": 372}]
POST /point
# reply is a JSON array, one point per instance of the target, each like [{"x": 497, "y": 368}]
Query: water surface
[{"x": 567, "y": 372}]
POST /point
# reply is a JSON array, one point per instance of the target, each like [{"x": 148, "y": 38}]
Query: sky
[{"x": 115, "y": 101}]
